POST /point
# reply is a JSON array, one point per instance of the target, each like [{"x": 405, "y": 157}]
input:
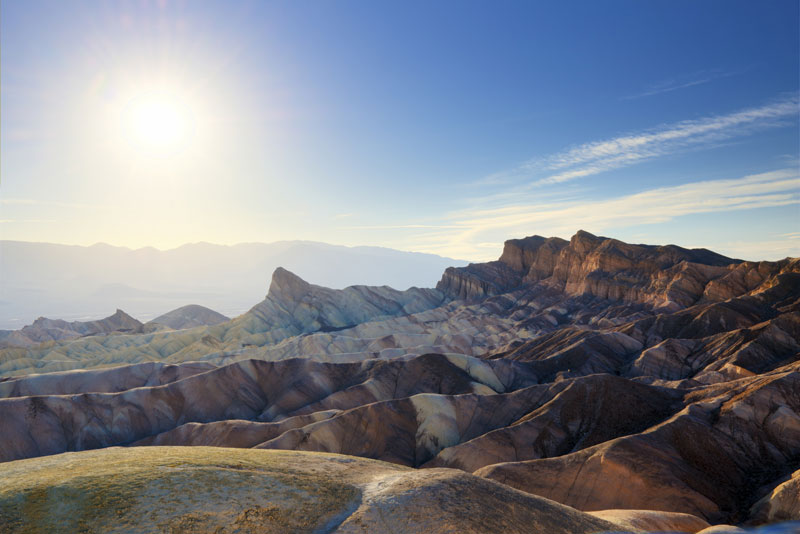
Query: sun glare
[{"x": 159, "y": 122}]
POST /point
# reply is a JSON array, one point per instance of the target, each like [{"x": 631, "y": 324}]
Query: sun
[{"x": 158, "y": 122}]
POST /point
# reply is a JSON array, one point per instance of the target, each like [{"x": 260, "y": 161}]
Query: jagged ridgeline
[{"x": 601, "y": 375}]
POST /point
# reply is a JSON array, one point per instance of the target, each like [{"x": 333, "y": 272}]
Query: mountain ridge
[
  {"x": 668, "y": 375},
  {"x": 576, "y": 266},
  {"x": 74, "y": 282}
]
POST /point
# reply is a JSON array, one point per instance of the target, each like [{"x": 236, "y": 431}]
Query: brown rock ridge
[
  {"x": 251, "y": 390},
  {"x": 668, "y": 277},
  {"x": 576, "y": 414},
  {"x": 706, "y": 460}
]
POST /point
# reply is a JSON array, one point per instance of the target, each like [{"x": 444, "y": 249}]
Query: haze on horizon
[{"x": 444, "y": 128}]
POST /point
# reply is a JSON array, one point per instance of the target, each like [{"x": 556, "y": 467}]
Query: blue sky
[{"x": 441, "y": 127}]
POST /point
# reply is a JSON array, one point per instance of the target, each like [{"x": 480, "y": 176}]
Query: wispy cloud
[
  {"x": 601, "y": 156},
  {"x": 682, "y": 82},
  {"x": 472, "y": 229}
]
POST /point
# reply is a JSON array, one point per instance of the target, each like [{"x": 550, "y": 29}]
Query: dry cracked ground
[{"x": 571, "y": 386}]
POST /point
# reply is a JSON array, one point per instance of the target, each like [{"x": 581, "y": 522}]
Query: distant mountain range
[{"x": 88, "y": 283}]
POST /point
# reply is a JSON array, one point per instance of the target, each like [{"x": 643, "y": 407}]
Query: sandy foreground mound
[{"x": 220, "y": 490}]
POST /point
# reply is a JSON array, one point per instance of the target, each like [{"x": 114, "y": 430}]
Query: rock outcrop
[{"x": 667, "y": 277}]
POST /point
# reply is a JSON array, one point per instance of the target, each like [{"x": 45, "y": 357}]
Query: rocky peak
[
  {"x": 294, "y": 306},
  {"x": 119, "y": 322},
  {"x": 583, "y": 242},
  {"x": 287, "y": 286},
  {"x": 120, "y": 316}
]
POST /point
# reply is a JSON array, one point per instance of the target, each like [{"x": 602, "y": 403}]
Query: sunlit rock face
[
  {"x": 598, "y": 374},
  {"x": 662, "y": 276}
]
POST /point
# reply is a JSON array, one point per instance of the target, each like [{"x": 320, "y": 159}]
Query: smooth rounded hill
[
  {"x": 188, "y": 317},
  {"x": 206, "y": 489}
]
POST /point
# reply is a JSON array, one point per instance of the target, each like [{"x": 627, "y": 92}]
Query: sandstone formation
[
  {"x": 590, "y": 265},
  {"x": 598, "y": 374}
]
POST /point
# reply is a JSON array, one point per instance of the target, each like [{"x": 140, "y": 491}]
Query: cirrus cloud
[
  {"x": 623, "y": 151},
  {"x": 465, "y": 233}
]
